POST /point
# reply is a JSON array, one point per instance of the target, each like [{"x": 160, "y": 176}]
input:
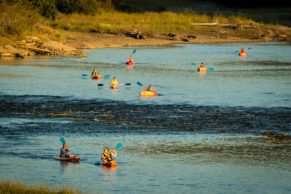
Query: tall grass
[
  {"x": 17, "y": 20},
  {"x": 17, "y": 188},
  {"x": 148, "y": 22}
]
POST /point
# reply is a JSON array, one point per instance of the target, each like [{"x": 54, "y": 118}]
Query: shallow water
[
  {"x": 262, "y": 79},
  {"x": 202, "y": 135}
]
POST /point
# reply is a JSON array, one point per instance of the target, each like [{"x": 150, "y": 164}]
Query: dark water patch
[{"x": 95, "y": 115}]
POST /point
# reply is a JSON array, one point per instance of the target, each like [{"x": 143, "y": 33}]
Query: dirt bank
[{"x": 62, "y": 43}]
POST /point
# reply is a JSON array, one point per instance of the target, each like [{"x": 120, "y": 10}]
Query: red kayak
[
  {"x": 130, "y": 63},
  {"x": 72, "y": 159}
]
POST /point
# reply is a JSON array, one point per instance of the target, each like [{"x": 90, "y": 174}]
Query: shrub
[{"x": 17, "y": 20}]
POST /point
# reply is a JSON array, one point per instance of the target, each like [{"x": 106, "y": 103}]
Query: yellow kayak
[{"x": 148, "y": 93}]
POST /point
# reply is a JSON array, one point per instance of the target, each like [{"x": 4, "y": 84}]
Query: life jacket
[
  {"x": 114, "y": 82},
  {"x": 107, "y": 155}
]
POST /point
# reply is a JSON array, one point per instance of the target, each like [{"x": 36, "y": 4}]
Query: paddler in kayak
[
  {"x": 114, "y": 83},
  {"x": 94, "y": 73},
  {"x": 201, "y": 68},
  {"x": 130, "y": 60},
  {"x": 107, "y": 155},
  {"x": 64, "y": 152},
  {"x": 150, "y": 88}
]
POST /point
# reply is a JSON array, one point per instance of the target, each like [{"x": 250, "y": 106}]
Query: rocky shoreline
[{"x": 73, "y": 42}]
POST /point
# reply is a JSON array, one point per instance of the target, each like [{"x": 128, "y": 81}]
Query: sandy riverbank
[{"x": 62, "y": 43}]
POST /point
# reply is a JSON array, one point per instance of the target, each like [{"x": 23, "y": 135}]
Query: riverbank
[
  {"x": 16, "y": 188},
  {"x": 69, "y": 34},
  {"x": 72, "y": 43}
]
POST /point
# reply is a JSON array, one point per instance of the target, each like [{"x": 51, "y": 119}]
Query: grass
[
  {"x": 147, "y": 22},
  {"x": 8, "y": 187},
  {"x": 18, "y": 21}
]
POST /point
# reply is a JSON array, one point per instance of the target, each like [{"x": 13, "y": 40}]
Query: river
[{"x": 202, "y": 134}]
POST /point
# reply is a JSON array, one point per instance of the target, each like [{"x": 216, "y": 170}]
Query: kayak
[
  {"x": 202, "y": 69},
  {"x": 148, "y": 93},
  {"x": 242, "y": 54},
  {"x": 72, "y": 159},
  {"x": 130, "y": 63},
  {"x": 110, "y": 163},
  {"x": 97, "y": 77},
  {"x": 114, "y": 87}
]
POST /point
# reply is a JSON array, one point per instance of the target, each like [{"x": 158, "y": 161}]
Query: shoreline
[{"x": 73, "y": 43}]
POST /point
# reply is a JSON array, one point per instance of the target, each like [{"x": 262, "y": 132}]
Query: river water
[{"x": 202, "y": 134}]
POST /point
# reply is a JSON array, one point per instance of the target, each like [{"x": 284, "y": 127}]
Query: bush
[
  {"x": 47, "y": 8},
  {"x": 77, "y": 6},
  {"x": 17, "y": 20}
]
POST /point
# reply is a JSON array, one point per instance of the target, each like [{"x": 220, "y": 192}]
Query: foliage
[
  {"x": 17, "y": 21},
  {"x": 16, "y": 188},
  {"x": 147, "y": 22}
]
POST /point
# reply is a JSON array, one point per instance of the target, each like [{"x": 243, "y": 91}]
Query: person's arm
[{"x": 114, "y": 153}]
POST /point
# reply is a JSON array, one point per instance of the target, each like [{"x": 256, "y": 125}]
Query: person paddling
[
  {"x": 94, "y": 72},
  {"x": 114, "y": 83},
  {"x": 150, "y": 88},
  {"x": 64, "y": 152},
  {"x": 130, "y": 60},
  {"x": 108, "y": 155}
]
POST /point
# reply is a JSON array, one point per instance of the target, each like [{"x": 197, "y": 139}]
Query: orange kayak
[
  {"x": 148, "y": 93},
  {"x": 97, "y": 77},
  {"x": 130, "y": 63},
  {"x": 202, "y": 69},
  {"x": 242, "y": 54},
  {"x": 72, "y": 159},
  {"x": 111, "y": 163}
]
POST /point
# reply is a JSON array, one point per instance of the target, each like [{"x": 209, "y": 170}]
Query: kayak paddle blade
[
  {"x": 62, "y": 140},
  {"x": 138, "y": 83},
  {"x": 134, "y": 51},
  {"x": 211, "y": 69},
  {"x": 193, "y": 64},
  {"x": 127, "y": 84},
  {"x": 107, "y": 76},
  {"x": 100, "y": 84},
  {"x": 118, "y": 146}
]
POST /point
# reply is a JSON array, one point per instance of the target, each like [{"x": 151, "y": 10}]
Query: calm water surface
[{"x": 202, "y": 135}]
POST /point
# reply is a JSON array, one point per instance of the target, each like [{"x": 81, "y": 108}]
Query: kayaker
[
  {"x": 199, "y": 66},
  {"x": 65, "y": 152},
  {"x": 130, "y": 60},
  {"x": 94, "y": 72},
  {"x": 107, "y": 155},
  {"x": 114, "y": 83},
  {"x": 150, "y": 88}
]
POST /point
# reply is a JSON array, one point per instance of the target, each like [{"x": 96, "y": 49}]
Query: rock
[
  {"x": 185, "y": 39},
  {"x": 7, "y": 55},
  {"x": 282, "y": 37},
  {"x": 191, "y": 36},
  {"x": 172, "y": 35},
  {"x": 19, "y": 55},
  {"x": 136, "y": 34}
]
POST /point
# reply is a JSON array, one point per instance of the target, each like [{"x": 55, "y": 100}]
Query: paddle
[
  {"x": 85, "y": 76},
  {"x": 107, "y": 76},
  {"x": 62, "y": 140},
  {"x": 138, "y": 83},
  {"x": 100, "y": 84},
  {"x": 134, "y": 51},
  {"x": 118, "y": 146},
  {"x": 126, "y": 84}
]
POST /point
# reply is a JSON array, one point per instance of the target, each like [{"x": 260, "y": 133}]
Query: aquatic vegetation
[{"x": 16, "y": 188}]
